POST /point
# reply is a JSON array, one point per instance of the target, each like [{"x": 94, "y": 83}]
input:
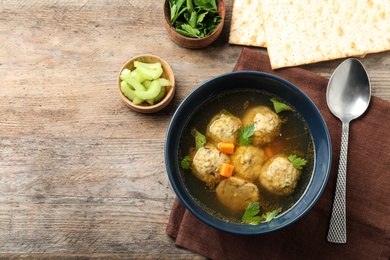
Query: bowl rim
[
  {"x": 321, "y": 169},
  {"x": 159, "y": 105}
]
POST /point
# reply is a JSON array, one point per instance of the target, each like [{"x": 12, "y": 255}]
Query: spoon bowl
[
  {"x": 348, "y": 96},
  {"x": 349, "y": 92}
]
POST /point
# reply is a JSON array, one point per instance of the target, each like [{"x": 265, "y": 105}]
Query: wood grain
[{"x": 81, "y": 175}]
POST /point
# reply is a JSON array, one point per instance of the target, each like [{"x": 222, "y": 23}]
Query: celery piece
[
  {"x": 150, "y": 101},
  {"x": 125, "y": 73},
  {"x": 164, "y": 82},
  {"x": 160, "y": 95},
  {"x": 135, "y": 84},
  {"x": 138, "y": 77},
  {"x": 147, "y": 83},
  {"x": 137, "y": 101},
  {"x": 127, "y": 91},
  {"x": 156, "y": 65},
  {"x": 148, "y": 73},
  {"x": 151, "y": 93}
]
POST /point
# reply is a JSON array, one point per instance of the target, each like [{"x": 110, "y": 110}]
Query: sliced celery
[
  {"x": 147, "y": 83},
  {"x": 164, "y": 82},
  {"x": 160, "y": 95},
  {"x": 125, "y": 73},
  {"x": 127, "y": 91},
  {"x": 134, "y": 84},
  {"x": 149, "y": 74},
  {"x": 134, "y": 74},
  {"x": 152, "y": 91},
  {"x": 150, "y": 101},
  {"x": 137, "y": 101},
  {"x": 144, "y": 83},
  {"x": 156, "y": 65}
]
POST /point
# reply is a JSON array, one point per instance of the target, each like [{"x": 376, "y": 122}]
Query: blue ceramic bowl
[{"x": 275, "y": 86}]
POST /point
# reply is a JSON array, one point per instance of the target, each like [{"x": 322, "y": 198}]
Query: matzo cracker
[
  {"x": 303, "y": 31},
  {"x": 246, "y": 26}
]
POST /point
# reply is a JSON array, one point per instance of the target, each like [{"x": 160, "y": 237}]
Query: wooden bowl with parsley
[{"x": 194, "y": 24}]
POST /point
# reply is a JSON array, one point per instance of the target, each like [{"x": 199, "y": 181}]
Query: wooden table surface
[{"x": 80, "y": 173}]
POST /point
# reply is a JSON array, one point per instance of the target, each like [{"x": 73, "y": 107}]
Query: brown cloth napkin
[{"x": 368, "y": 191}]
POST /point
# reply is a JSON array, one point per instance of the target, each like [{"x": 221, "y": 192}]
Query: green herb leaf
[
  {"x": 268, "y": 216},
  {"x": 279, "y": 106},
  {"x": 185, "y": 162},
  {"x": 250, "y": 214},
  {"x": 296, "y": 161},
  {"x": 251, "y": 211},
  {"x": 209, "y": 5},
  {"x": 173, "y": 11},
  {"x": 200, "y": 140},
  {"x": 188, "y": 30},
  {"x": 177, "y": 8},
  {"x": 201, "y": 16},
  {"x": 193, "y": 19},
  {"x": 245, "y": 136},
  {"x": 190, "y": 6}
]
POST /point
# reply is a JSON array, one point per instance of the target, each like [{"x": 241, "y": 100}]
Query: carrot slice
[
  {"x": 227, "y": 148},
  {"x": 226, "y": 170},
  {"x": 268, "y": 151},
  {"x": 274, "y": 149}
]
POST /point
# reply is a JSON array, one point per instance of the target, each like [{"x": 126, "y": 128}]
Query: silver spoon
[{"x": 348, "y": 96}]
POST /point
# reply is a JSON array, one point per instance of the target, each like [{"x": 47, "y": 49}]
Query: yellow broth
[{"x": 294, "y": 137}]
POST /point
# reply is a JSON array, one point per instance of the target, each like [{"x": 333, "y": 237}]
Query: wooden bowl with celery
[
  {"x": 146, "y": 83},
  {"x": 194, "y": 24}
]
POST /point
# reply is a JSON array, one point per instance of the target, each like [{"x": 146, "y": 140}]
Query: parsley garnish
[
  {"x": 279, "y": 106},
  {"x": 251, "y": 211},
  {"x": 185, "y": 162},
  {"x": 296, "y": 161},
  {"x": 250, "y": 216},
  {"x": 245, "y": 135},
  {"x": 271, "y": 215},
  {"x": 200, "y": 140}
]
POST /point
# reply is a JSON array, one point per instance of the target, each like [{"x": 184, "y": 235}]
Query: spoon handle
[{"x": 337, "y": 229}]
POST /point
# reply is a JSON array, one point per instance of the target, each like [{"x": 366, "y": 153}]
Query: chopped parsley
[
  {"x": 185, "y": 162},
  {"x": 279, "y": 106},
  {"x": 296, "y": 161},
  {"x": 271, "y": 215},
  {"x": 194, "y": 18},
  {"x": 200, "y": 140},
  {"x": 251, "y": 216},
  {"x": 245, "y": 135}
]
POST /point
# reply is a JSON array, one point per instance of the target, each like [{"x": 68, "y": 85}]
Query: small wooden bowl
[
  {"x": 167, "y": 73},
  {"x": 189, "y": 42}
]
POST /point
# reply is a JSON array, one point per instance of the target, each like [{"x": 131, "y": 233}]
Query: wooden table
[{"x": 80, "y": 173}]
